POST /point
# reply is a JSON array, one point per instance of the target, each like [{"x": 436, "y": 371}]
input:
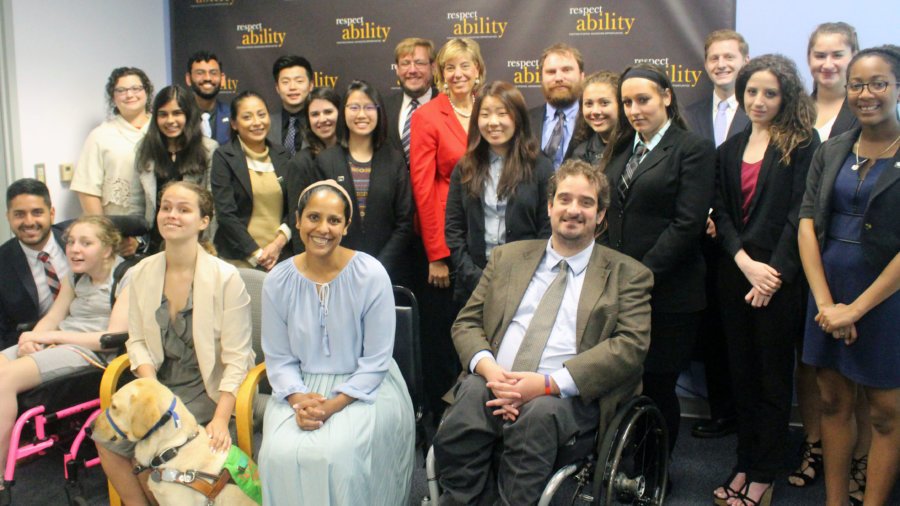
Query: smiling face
[
  {"x": 205, "y": 78},
  {"x": 129, "y": 96},
  {"x": 86, "y": 252},
  {"x": 874, "y": 109},
  {"x": 574, "y": 213},
  {"x": 645, "y": 106},
  {"x": 460, "y": 74},
  {"x": 598, "y": 105},
  {"x": 415, "y": 72},
  {"x": 30, "y": 218},
  {"x": 322, "y": 223},
  {"x": 252, "y": 121},
  {"x": 723, "y": 61},
  {"x": 496, "y": 124},
  {"x": 828, "y": 60},
  {"x": 179, "y": 217},
  {"x": 293, "y": 86},
  {"x": 171, "y": 120},
  {"x": 323, "y": 116},
  {"x": 361, "y": 114},
  {"x": 762, "y": 98},
  {"x": 561, "y": 79}
]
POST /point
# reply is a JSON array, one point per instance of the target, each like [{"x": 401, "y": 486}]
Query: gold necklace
[{"x": 858, "y": 163}]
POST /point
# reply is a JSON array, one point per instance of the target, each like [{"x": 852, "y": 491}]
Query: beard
[
  {"x": 561, "y": 98},
  {"x": 206, "y": 96}
]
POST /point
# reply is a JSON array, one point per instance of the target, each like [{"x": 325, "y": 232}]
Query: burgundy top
[{"x": 749, "y": 176}]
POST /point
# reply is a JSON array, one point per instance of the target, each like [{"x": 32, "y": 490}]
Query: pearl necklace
[
  {"x": 859, "y": 163},
  {"x": 457, "y": 111}
]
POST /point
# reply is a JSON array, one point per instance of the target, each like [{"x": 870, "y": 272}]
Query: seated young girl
[
  {"x": 189, "y": 327},
  {"x": 67, "y": 338}
]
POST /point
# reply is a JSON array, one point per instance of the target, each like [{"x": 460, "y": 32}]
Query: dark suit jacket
[
  {"x": 276, "y": 133},
  {"x": 699, "y": 117},
  {"x": 844, "y": 122},
  {"x": 437, "y": 142},
  {"x": 526, "y": 218},
  {"x": 387, "y": 228},
  {"x": 18, "y": 298},
  {"x": 880, "y": 235},
  {"x": 613, "y": 319},
  {"x": 664, "y": 218},
  {"x": 770, "y": 234},
  {"x": 392, "y": 104},
  {"x": 223, "y": 122},
  {"x": 536, "y": 119},
  {"x": 301, "y": 172},
  {"x": 233, "y": 195}
]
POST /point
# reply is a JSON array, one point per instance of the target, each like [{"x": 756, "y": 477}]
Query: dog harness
[{"x": 237, "y": 469}]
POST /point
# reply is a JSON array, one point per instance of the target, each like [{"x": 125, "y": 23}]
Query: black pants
[
  {"x": 711, "y": 342},
  {"x": 761, "y": 355},
  {"x": 437, "y": 311},
  {"x": 465, "y": 443}
]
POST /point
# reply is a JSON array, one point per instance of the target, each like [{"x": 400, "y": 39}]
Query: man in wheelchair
[{"x": 552, "y": 339}]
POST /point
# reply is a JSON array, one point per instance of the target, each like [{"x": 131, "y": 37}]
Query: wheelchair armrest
[
  {"x": 113, "y": 340},
  {"x": 244, "y": 407},
  {"x": 110, "y": 380},
  {"x": 25, "y": 327}
]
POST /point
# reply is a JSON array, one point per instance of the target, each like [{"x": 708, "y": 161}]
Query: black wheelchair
[{"x": 626, "y": 465}]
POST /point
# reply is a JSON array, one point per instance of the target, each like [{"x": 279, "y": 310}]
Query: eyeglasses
[
  {"x": 419, "y": 64},
  {"x": 123, "y": 91},
  {"x": 355, "y": 108},
  {"x": 874, "y": 87}
]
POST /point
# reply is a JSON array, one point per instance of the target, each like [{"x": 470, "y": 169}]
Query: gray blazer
[{"x": 880, "y": 235}]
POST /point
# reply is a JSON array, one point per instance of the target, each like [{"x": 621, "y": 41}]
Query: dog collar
[
  {"x": 115, "y": 427},
  {"x": 164, "y": 419}
]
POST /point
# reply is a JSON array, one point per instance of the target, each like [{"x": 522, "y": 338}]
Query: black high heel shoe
[
  {"x": 764, "y": 500},
  {"x": 858, "y": 469},
  {"x": 726, "y": 486},
  {"x": 809, "y": 461}
]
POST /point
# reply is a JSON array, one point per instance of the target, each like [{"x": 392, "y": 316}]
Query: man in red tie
[{"x": 33, "y": 262}]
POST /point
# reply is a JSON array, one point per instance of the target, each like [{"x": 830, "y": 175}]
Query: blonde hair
[
  {"x": 455, "y": 48},
  {"x": 409, "y": 45},
  {"x": 726, "y": 34},
  {"x": 107, "y": 233}
]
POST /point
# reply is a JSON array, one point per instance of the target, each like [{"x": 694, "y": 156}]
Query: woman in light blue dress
[{"x": 339, "y": 428}]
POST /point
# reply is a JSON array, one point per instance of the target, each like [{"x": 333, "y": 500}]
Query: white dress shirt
[{"x": 60, "y": 264}]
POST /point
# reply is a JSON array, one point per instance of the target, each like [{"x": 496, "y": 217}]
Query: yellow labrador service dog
[{"x": 170, "y": 443}]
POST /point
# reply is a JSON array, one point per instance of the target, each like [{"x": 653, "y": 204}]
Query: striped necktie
[
  {"x": 625, "y": 182},
  {"x": 50, "y": 272},
  {"x": 404, "y": 138}
]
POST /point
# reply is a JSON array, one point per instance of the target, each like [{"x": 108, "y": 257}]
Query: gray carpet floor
[{"x": 698, "y": 466}]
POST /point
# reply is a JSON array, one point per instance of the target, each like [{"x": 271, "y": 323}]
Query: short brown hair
[
  {"x": 409, "y": 44},
  {"x": 562, "y": 48},
  {"x": 575, "y": 167},
  {"x": 726, "y": 34}
]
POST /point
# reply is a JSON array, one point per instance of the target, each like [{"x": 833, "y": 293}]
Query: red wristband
[{"x": 547, "y": 385}]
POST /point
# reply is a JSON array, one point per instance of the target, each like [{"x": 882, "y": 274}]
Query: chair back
[
  {"x": 253, "y": 280},
  {"x": 407, "y": 351}
]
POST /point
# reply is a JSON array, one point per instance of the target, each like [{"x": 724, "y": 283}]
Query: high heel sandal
[
  {"x": 858, "y": 469},
  {"x": 729, "y": 492},
  {"x": 764, "y": 500},
  {"x": 809, "y": 460}
]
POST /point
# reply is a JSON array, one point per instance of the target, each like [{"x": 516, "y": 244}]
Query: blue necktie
[{"x": 720, "y": 126}]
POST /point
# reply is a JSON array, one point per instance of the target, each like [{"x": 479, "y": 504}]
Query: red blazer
[{"x": 437, "y": 141}]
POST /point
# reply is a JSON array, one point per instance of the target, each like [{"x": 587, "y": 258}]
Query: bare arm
[{"x": 90, "y": 204}]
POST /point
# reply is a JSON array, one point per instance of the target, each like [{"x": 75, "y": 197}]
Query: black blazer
[
  {"x": 387, "y": 228},
  {"x": 880, "y": 235},
  {"x": 664, "y": 218},
  {"x": 770, "y": 234},
  {"x": 699, "y": 117},
  {"x": 301, "y": 172},
  {"x": 590, "y": 150},
  {"x": 18, "y": 298},
  {"x": 526, "y": 218},
  {"x": 392, "y": 104},
  {"x": 233, "y": 196},
  {"x": 276, "y": 132},
  {"x": 844, "y": 122},
  {"x": 536, "y": 120}
]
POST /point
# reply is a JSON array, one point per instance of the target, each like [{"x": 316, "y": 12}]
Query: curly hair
[
  {"x": 793, "y": 124},
  {"x": 890, "y": 53},
  {"x": 121, "y": 72}
]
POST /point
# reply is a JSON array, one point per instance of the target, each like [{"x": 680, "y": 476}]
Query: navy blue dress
[{"x": 874, "y": 359}]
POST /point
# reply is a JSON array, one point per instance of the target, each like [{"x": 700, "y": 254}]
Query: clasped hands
[
  {"x": 312, "y": 410},
  {"x": 33, "y": 342},
  {"x": 839, "y": 320},
  {"x": 763, "y": 278},
  {"x": 513, "y": 389}
]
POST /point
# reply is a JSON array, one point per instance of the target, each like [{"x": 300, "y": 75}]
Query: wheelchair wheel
[{"x": 633, "y": 461}]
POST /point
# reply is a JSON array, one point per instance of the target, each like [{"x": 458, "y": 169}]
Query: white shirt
[
  {"x": 60, "y": 264},
  {"x": 494, "y": 208},
  {"x": 404, "y": 108},
  {"x": 729, "y": 113}
]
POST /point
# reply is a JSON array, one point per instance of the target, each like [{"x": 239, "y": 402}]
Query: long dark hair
[
  {"x": 381, "y": 126},
  {"x": 623, "y": 135},
  {"x": 583, "y": 131},
  {"x": 316, "y": 145},
  {"x": 236, "y": 102},
  {"x": 153, "y": 152},
  {"x": 793, "y": 125},
  {"x": 518, "y": 166}
]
